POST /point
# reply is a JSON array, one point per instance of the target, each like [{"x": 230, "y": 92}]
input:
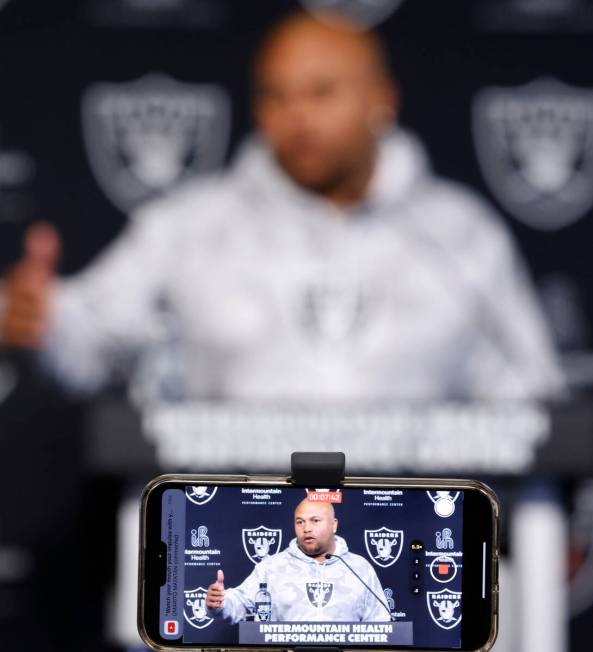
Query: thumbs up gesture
[
  {"x": 215, "y": 594},
  {"x": 27, "y": 288}
]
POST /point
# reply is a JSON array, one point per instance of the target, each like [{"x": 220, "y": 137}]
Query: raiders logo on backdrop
[
  {"x": 194, "y": 608},
  {"x": 535, "y": 148},
  {"x": 179, "y": 14},
  {"x": 145, "y": 136},
  {"x": 383, "y": 545},
  {"x": 444, "y": 502},
  {"x": 261, "y": 542},
  {"x": 444, "y": 607},
  {"x": 200, "y": 495},
  {"x": 364, "y": 12},
  {"x": 319, "y": 593},
  {"x": 542, "y": 16}
]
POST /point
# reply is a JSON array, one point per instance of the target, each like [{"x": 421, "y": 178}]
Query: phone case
[{"x": 349, "y": 481}]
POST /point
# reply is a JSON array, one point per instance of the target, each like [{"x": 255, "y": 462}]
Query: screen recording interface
[{"x": 393, "y": 576}]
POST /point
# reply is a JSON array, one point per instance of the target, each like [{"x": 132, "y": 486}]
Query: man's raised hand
[
  {"x": 215, "y": 594},
  {"x": 27, "y": 288}
]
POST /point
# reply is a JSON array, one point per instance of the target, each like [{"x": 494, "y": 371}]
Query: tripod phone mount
[{"x": 325, "y": 469}]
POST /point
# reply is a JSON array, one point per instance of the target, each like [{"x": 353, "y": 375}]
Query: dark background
[{"x": 57, "y": 510}]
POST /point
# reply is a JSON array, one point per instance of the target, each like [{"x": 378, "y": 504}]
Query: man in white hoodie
[
  {"x": 309, "y": 580},
  {"x": 328, "y": 262}
]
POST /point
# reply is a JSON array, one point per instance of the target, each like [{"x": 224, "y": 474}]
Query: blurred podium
[
  {"x": 507, "y": 442},
  {"x": 484, "y": 439}
]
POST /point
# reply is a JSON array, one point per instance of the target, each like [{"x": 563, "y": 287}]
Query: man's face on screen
[{"x": 315, "y": 526}]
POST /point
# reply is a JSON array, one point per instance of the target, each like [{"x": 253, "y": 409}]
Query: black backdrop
[
  {"x": 51, "y": 53},
  {"x": 442, "y": 53}
]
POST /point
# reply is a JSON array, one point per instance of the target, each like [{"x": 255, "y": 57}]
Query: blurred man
[
  {"x": 328, "y": 262},
  {"x": 310, "y": 580}
]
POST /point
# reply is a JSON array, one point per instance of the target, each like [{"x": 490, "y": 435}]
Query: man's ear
[{"x": 385, "y": 109}]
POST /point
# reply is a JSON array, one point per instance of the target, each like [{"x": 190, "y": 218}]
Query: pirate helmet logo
[
  {"x": 194, "y": 608},
  {"x": 444, "y": 607},
  {"x": 319, "y": 593},
  {"x": 144, "y": 137},
  {"x": 535, "y": 148},
  {"x": 261, "y": 542},
  {"x": 384, "y": 545},
  {"x": 200, "y": 494}
]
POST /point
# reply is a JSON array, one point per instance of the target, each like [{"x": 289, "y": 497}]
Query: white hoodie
[
  {"x": 416, "y": 293},
  {"x": 303, "y": 589}
]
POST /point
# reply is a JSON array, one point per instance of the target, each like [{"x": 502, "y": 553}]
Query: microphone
[{"x": 329, "y": 556}]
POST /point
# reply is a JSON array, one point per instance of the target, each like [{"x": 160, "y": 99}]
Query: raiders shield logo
[
  {"x": 261, "y": 542},
  {"x": 157, "y": 14},
  {"x": 444, "y": 502},
  {"x": 363, "y": 12},
  {"x": 334, "y": 312},
  {"x": 535, "y": 148},
  {"x": 145, "y": 136},
  {"x": 444, "y": 607},
  {"x": 384, "y": 546},
  {"x": 194, "y": 608},
  {"x": 319, "y": 593},
  {"x": 200, "y": 495}
]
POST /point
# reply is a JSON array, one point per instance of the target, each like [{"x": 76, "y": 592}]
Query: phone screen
[{"x": 375, "y": 567}]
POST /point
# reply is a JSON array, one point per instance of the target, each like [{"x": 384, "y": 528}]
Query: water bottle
[
  {"x": 171, "y": 356},
  {"x": 263, "y": 603},
  {"x": 161, "y": 373}
]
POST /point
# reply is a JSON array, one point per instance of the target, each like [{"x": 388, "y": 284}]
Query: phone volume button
[{"x": 495, "y": 597}]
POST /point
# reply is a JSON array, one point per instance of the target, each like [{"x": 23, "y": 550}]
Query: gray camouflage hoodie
[
  {"x": 303, "y": 589},
  {"x": 417, "y": 293}
]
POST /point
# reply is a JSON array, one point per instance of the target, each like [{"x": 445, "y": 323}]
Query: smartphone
[{"x": 230, "y": 562}]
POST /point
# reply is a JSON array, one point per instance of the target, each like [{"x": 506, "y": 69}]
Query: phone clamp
[{"x": 323, "y": 469}]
